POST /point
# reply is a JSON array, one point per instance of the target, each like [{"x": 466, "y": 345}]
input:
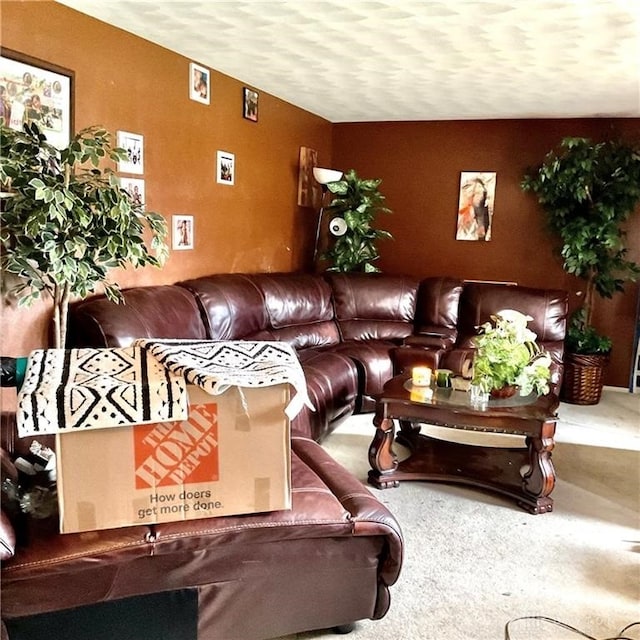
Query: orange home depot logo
[{"x": 176, "y": 453}]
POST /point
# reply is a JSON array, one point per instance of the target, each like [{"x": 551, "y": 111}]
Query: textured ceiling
[{"x": 353, "y": 61}]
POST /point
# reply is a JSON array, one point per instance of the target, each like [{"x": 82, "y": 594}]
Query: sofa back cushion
[
  {"x": 299, "y": 309},
  {"x": 374, "y": 305},
  {"x": 162, "y": 311},
  {"x": 547, "y": 307},
  {"x": 437, "y": 310},
  {"x": 232, "y": 306}
]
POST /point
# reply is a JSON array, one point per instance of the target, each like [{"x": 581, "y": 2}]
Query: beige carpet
[{"x": 474, "y": 560}]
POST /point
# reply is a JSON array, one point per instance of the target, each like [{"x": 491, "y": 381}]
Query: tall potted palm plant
[
  {"x": 66, "y": 223},
  {"x": 588, "y": 190}
]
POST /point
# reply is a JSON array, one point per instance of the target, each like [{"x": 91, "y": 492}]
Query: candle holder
[{"x": 421, "y": 376}]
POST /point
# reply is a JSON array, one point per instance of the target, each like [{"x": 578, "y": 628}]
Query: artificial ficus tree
[
  {"x": 588, "y": 190},
  {"x": 66, "y": 222}
]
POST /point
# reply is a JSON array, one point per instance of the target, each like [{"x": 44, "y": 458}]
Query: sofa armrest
[
  {"x": 430, "y": 341},
  {"x": 7, "y": 537},
  {"x": 459, "y": 361},
  {"x": 409, "y": 356},
  {"x": 7, "y": 528},
  {"x": 368, "y": 515}
]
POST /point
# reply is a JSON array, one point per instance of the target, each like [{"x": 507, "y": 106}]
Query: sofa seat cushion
[
  {"x": 336, "y": 527},
  {"x": 332, "y": 384}
]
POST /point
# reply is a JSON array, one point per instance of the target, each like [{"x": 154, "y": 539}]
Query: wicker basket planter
[{"x": 583, "y": 378}]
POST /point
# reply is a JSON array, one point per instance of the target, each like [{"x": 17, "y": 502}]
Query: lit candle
[{"x": 421, "y": 376}]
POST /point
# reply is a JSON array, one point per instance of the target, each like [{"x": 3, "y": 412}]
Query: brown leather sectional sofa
[
  {"x": 331, "y": 559},
  {"x": 351, "y": 331}
]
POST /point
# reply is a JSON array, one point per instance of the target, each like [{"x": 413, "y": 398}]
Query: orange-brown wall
[
  {"x": 420, "y": 165},
  {"x": 126, "y": 83}
]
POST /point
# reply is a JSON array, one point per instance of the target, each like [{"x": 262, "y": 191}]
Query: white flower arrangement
[{"x": 507, "y": 354}]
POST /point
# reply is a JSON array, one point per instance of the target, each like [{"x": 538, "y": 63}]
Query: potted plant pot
[
  {"x": 583, "y": 378},
  {"x": 507, "y": 391}
]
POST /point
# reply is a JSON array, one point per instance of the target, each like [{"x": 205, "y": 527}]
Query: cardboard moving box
[{"x": 232, "y": 456}]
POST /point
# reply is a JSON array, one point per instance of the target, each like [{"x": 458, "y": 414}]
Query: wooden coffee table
[{"x": 523, "y": 473}]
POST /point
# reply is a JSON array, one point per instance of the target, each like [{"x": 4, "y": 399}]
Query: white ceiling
[{"x": 354, "y": 61}]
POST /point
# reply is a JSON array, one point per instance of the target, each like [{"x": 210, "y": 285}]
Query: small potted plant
[
  {"x": 66, "y": 222},
  {"x": 508, "y": 359},
  {"x": 352, "y": 212}
]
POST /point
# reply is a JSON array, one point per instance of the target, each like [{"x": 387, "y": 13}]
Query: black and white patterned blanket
[
  {"x": 97, "y": 388},
  {"x": 67, "y": 389},
  {"x": 215, "y": 365}
]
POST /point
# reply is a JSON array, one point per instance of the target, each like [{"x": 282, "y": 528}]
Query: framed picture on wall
[
  {"x": 199, "y": 83},
  {"x": 182, "y": 232},
  {"x": 33, "y": 90},
  {"x": 133, "y": 144},
  {"x": 135, "y": 188},
  {"x": 475, "y": 205},
  {"x": 309, "y": 190},
  {"x": 250, "y": 104},
  {"x": 226, "y": 168}
]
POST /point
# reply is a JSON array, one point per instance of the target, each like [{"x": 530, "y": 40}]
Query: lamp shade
[
  {"x": 324, "y": 176},
  {"x": 338, "y": 227}
]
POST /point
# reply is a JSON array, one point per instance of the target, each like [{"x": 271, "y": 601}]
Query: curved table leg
[
  {"x": 540, "y": 479},
  {"x": 409, "y": 434},
  {"x": 382, "y": 457}
]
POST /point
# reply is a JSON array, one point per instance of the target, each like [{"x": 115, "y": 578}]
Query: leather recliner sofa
[
  {"x": 331, "y": 559},
  {"x": 327, "y": 562},
  {"x": 351, "y": 331}
]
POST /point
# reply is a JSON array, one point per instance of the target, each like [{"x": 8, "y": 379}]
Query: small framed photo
[
  {"x": 181, "y": 232},
  {"x": 250, "y": 104},
  {"x": 135, "y": 188},
  {"x": 133, "y": 144},
  {"x": 226, "y": 168},
  {"x": 199, "y": 83}
]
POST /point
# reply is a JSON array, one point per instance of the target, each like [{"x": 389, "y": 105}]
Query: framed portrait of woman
[
  {"x": 475, "y": 205},
  {"x": 181, "y": 232}
]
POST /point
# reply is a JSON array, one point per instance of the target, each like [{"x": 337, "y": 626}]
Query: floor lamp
[{"x": 323, "y": 177}]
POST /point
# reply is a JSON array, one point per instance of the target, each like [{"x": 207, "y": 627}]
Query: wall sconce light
[{"x": 323, "y": 177}]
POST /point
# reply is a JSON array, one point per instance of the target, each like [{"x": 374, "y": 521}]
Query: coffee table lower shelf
[{"x": 506, "y": 470}]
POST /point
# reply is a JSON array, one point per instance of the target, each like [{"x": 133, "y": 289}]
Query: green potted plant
[
  {"x": 352, "y": 213},
  {"x": 588, "y": 190},
  {"x": 66, "y": 222},
  {"x": 507, "y": 358}
]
